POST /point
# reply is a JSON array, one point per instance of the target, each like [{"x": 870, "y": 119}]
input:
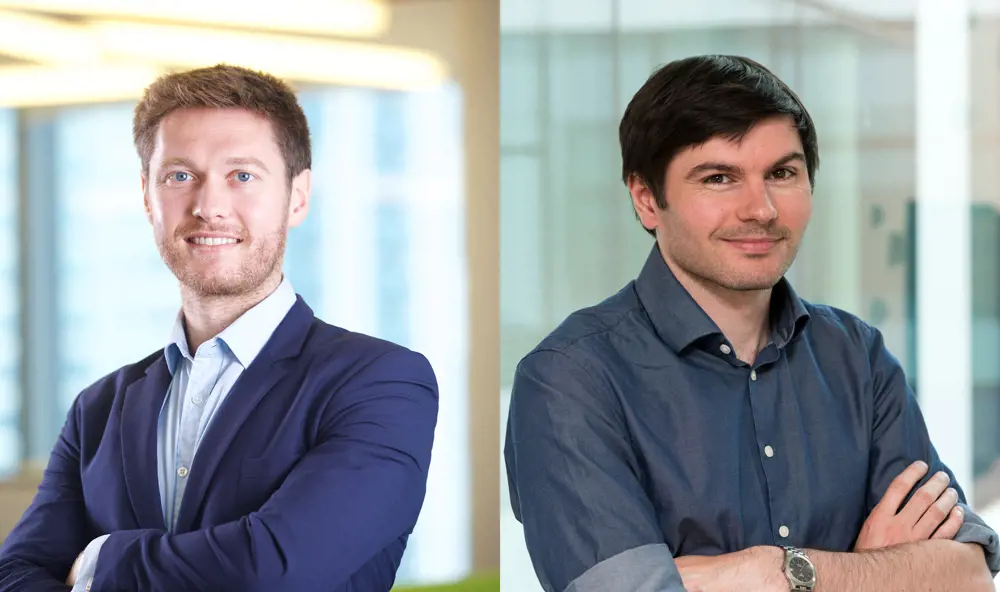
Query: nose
[
  {"x": 757, "y": 205},
  {"x": 212, "y": 200}
]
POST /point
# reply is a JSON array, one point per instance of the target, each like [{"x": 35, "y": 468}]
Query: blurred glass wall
[{"x": 906, "y": 226}]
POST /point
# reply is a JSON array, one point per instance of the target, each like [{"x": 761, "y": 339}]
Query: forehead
[
  {"x": 767, "y": 141},
  {"x": 209, "y": 135}
]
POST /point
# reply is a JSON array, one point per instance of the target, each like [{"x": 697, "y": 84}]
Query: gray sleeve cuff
[
  {"x": 974, "y": 530},
  {"x": 649, "y": 568}
]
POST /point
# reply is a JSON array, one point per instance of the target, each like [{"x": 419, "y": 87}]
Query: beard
[
  {"x": 237, "y": 271},
  {"x": 751, "y": 275}
]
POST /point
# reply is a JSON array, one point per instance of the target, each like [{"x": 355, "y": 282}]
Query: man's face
[
  {"x": 736, "y": 211},
  {"x": 219, "y": 201}
]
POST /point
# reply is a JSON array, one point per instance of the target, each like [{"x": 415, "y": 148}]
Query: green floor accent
[{"x": 484, "y": 583}]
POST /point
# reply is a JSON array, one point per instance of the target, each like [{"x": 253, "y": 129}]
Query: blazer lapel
[
  {"x": 139, "y": 420},
  {"x": 255, "y": 382}
]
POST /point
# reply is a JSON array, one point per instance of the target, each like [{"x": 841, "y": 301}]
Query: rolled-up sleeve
[
  {"x": 975, "y": 530},
  {"x": 573, "y": 478},
  {"x": 900, "y": 437}
]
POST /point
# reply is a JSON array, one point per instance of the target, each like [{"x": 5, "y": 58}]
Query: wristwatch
[{"x": 801, "y": 572}]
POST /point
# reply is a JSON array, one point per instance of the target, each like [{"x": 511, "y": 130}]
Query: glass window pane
[{"x": 10, "y": 351}]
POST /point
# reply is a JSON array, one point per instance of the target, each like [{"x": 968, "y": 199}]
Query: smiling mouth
[
  {"x": 206, "y": 241},
  {"x": 754, "y": 245}
]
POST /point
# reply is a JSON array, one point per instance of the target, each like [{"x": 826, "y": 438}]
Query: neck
[
  {"x": 742, "y": 315},
  {"x": 206, "y": 316}
]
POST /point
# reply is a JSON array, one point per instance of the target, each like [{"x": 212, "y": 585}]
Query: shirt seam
[{"x": 611, "y": 326}]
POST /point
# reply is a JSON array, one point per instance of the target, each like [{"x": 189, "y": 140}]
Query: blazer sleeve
[
  {"x": 39, "y": 552},
  {"x": 357, "y": 491}
]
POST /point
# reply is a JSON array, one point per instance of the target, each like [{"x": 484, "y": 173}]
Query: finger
[
  {"x": 949, "y": 529},
  {"x": 900, "y": 487},
  {"x": 936, "y": 514},
  {"x": 924, "y": 498}
]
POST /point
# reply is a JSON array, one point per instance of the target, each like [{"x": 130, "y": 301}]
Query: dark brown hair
[{"x": 690, "y": 101}]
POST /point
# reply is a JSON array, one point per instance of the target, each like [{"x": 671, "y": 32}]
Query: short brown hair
[{"x": 226, "y": 87}]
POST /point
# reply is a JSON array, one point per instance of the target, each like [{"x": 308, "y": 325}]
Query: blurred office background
[
  {"x": 906, "y": 225},
  {"x": 401, "y": 99}
]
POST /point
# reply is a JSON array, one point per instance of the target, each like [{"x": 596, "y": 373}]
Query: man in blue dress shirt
[
  {"x": 261, "y": 449},
  {"x": 705, "y": 428}
]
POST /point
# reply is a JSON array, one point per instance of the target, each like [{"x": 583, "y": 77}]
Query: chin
[
  {"x": 212, "y": 281},
  {"x": 217, "y": 288},
  {"x": 747, "y": 282}
]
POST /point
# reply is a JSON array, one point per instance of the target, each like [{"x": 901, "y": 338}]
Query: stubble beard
[
  {"x": 260, "y": 260},
  {"x": 708, "y": 269}
]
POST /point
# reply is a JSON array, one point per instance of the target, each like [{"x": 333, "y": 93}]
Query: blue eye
[
  {"x": 244, "y": 177},
  {"x": 179, "y": 176}
]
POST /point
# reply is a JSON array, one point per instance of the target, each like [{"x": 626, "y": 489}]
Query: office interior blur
[
  {"x": 401, "y": 99},
  {"x": 905, "y": 232}
]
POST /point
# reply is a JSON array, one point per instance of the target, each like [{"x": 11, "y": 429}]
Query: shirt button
[
  {"x": 753, "y": 375},
  {"x": 768, "y": 451},
  {"x": 197, "y": 400},
  {"x": 725, "y": 349},
  {"x": 182, "y": 472},
  {"x": 783, "y": 531}
]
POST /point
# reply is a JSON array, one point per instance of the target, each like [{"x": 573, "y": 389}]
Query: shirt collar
[
  {"x": 680, "y": 321},
  {"x": 247, "y": 335}
]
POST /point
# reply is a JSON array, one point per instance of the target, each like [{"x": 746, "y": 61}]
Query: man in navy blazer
[{"x": 261, "y": 449}]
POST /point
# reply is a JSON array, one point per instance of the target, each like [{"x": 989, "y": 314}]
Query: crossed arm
[
  {"x": 910, "y": 540},
  {"x": 927, "y": 566},
  {"x": 354, "y": 494},
  {"x": 611, "y": 540},
  {"x": 907, "y": 547}
]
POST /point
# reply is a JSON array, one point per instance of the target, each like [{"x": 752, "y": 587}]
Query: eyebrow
[
  {"x": 721, "y": 167},
  {"x": 248, "y": 160},
  {"x": 239, "y": 161},
  {"x": 177, "y": 161}
]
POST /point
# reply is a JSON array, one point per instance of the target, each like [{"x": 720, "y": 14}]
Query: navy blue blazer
[{"x": 310, "y": 477}]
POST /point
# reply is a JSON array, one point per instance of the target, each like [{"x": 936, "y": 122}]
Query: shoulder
[
  {"x": 102, "y": 392},
  {"x": 592, "y": 329},
  {"x": 576, "y": 363},
  {"x": 832, "y": 324},
  {"x": 851, "y": 342},
  {"x": 339, "y": 357}
]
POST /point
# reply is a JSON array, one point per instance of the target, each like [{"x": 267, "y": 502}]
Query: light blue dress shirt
[{"x": 199, "y": 385}]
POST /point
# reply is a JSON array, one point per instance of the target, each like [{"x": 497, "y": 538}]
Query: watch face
[{"x": 800, "y": 569}]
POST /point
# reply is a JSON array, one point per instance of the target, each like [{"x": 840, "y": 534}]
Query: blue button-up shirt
[
  {"x": 199, "y": 384},
  {"x": 636, "y": 435}
]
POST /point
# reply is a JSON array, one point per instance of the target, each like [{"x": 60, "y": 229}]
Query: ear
[
  {"x": 644, "y": 202},
  {"x": 145, "y": 198},
  {"x": 298, "y": 203}
]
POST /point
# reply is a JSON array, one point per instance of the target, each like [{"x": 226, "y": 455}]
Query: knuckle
[
  {"x": 925, "y": 496},
  {"x": 947, "y": 503},
  {"x": 937, "y": 513}
]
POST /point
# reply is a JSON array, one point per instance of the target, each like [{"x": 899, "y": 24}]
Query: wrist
[
  {"x": 770, "y": 562},
  {"x": 799, "y": 570}
]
